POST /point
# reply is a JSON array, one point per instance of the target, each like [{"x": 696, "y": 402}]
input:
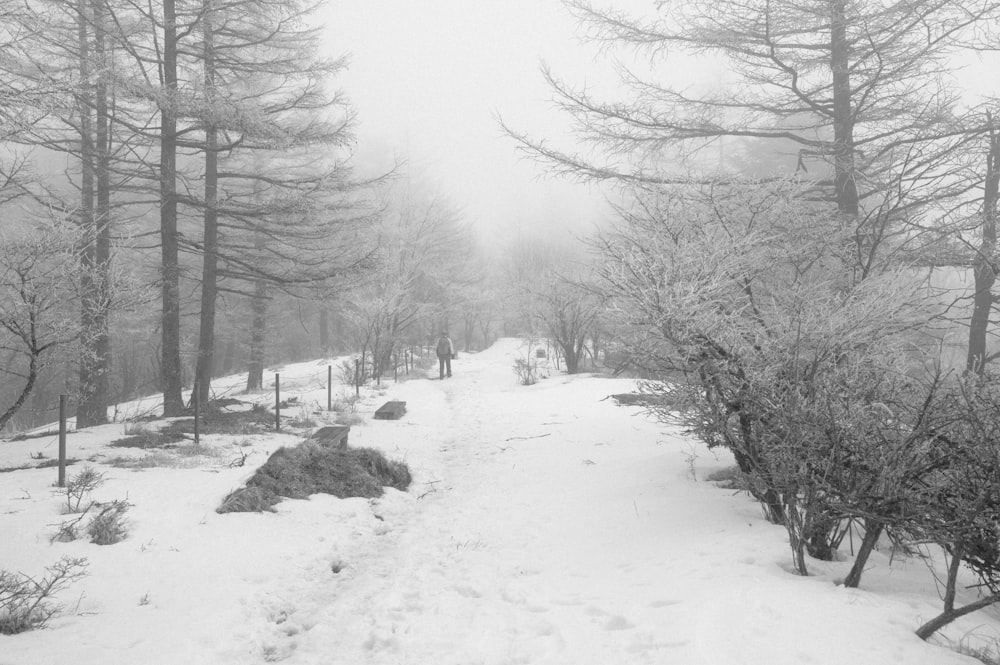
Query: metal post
[
  {"x": 62, "y": 441},
  {"x": 357, "y": 377},
  {"x": 196, "y": 399},
  {"x": 277, "y": 402},
  {"x": 329, "y": 387}
]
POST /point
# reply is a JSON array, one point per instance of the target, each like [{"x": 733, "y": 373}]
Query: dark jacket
[{"x": 445, "y": 349}]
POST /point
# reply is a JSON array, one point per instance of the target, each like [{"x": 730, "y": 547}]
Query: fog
[{"x": 429, "y": 78}]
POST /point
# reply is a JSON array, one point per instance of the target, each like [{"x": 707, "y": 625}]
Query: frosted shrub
[
  {"x": 526, "y": 370},
  {"x": 743, "y": 305},
  {"x": 80, "y": 486},
  {"x": 26, "y": 603},
  {"x": 346, "y": 372}
]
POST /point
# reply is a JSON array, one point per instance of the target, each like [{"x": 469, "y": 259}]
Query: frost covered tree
[
  {"x": 984, "y": 258},
  {"x": 857, "y": 93},
  {"x": 424, "y": 252},
  {"x": 39, "y": 286},
  {"x": 568, "y": 310},
  {"x": 740, "y": 303},
  {"x": 61, "y": 70},
  {"x": 272, "y": 208}
]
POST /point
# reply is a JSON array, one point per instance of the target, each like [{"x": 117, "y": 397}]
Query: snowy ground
[{"x": 545, "y": 524}]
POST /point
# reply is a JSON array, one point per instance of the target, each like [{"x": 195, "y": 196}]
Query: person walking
[{"x": 445, "y": 352}]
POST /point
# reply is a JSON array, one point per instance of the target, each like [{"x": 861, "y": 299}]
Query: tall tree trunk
[
  {"x": 88, "y": 256},
  {"x": 324, "y": 331},
  {"x": 255, "y": 375},
  {"x": 843, "y": 124},
  {"x": 170, "y": 322},
  {"x": 468, "y": 331},
  {"x": 984, "y": 264},
  {"x": 95, "y": 365},
  {"x": 210, "y": 259},
  {"x": 229, "y": 357}
]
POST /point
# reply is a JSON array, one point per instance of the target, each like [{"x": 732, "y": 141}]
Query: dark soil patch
[
  {"x": 47, "y": 464},
  {"x": 257, "y": 419},
  {"x": 311, "y": 468},
  {"x": 214, "y": 422},
  {"x": 40, "y": 435},
  {"x": 148, "y": 440}
]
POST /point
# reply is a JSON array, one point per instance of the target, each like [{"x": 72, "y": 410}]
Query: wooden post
[
  {"x": 62, "y": 441},
  {"x": 329, "y": 387},
  {"x": 277, "y": 402},
  {"x": 357, "y": 377},
  {"x": 196, "y": 399}
]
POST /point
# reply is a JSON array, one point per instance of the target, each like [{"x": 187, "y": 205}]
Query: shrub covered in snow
[{"x": 761, "y": 332}]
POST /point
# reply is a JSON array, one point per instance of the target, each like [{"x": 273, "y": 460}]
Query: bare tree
[
  {"x": 857, "y": 92},
  {"x": 568, "y": 310},
  {"x": 984, "y": 266},
  {"x": 39, "y": 285},
  {"x": 423, "y": 251}
]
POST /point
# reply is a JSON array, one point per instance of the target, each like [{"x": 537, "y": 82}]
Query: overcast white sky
[{"x": 427, "y": 78}]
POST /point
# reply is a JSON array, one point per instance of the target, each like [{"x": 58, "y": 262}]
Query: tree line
[{"x": 180, "y": 201}]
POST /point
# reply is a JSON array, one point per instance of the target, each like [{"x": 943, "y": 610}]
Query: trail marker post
[
  {"x": 196, "y": 399},
  {"x": 62, "y": 441}
]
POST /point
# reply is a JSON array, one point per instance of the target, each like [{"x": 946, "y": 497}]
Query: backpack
[{"x": 444, "y": 346}]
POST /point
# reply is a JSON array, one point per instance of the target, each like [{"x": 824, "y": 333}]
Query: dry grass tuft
[{"x": 309, "y": 468}]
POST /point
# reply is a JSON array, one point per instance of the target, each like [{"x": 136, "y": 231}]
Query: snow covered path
[
  {"x": 553, "y": 526},
  {"x": 520, "y": 550},
  {"x": 545, "y": 525}
]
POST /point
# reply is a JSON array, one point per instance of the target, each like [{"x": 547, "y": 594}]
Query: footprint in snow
[
  {"x": 618, "y": 622},
  {"x": 664, "y": 603}
]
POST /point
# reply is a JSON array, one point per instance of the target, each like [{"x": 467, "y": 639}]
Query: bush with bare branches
[{"x": 27, "y": 603}]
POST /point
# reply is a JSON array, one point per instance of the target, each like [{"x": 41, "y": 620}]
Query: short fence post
[
  {"x": 329, "y": 387},
  {"x": 196, "y": 399},
  {"x": 277, "y": 402},
  {"x": 62, "y": 441}
]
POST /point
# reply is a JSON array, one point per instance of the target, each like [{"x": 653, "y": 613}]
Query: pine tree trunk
[
  {"x": 324, "y": 331},
  {"x": 229, "y": 357},
  {"x": 843, "y": 124},
  {"x": 95, "y": 365},
  {"x": 255, "y": 375},
  {"x": 170, "y": 318},
  {"x": 983, "y": 264},
  {"x": 88, "y": 255},
  {"x": 210, "y": 258}
]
